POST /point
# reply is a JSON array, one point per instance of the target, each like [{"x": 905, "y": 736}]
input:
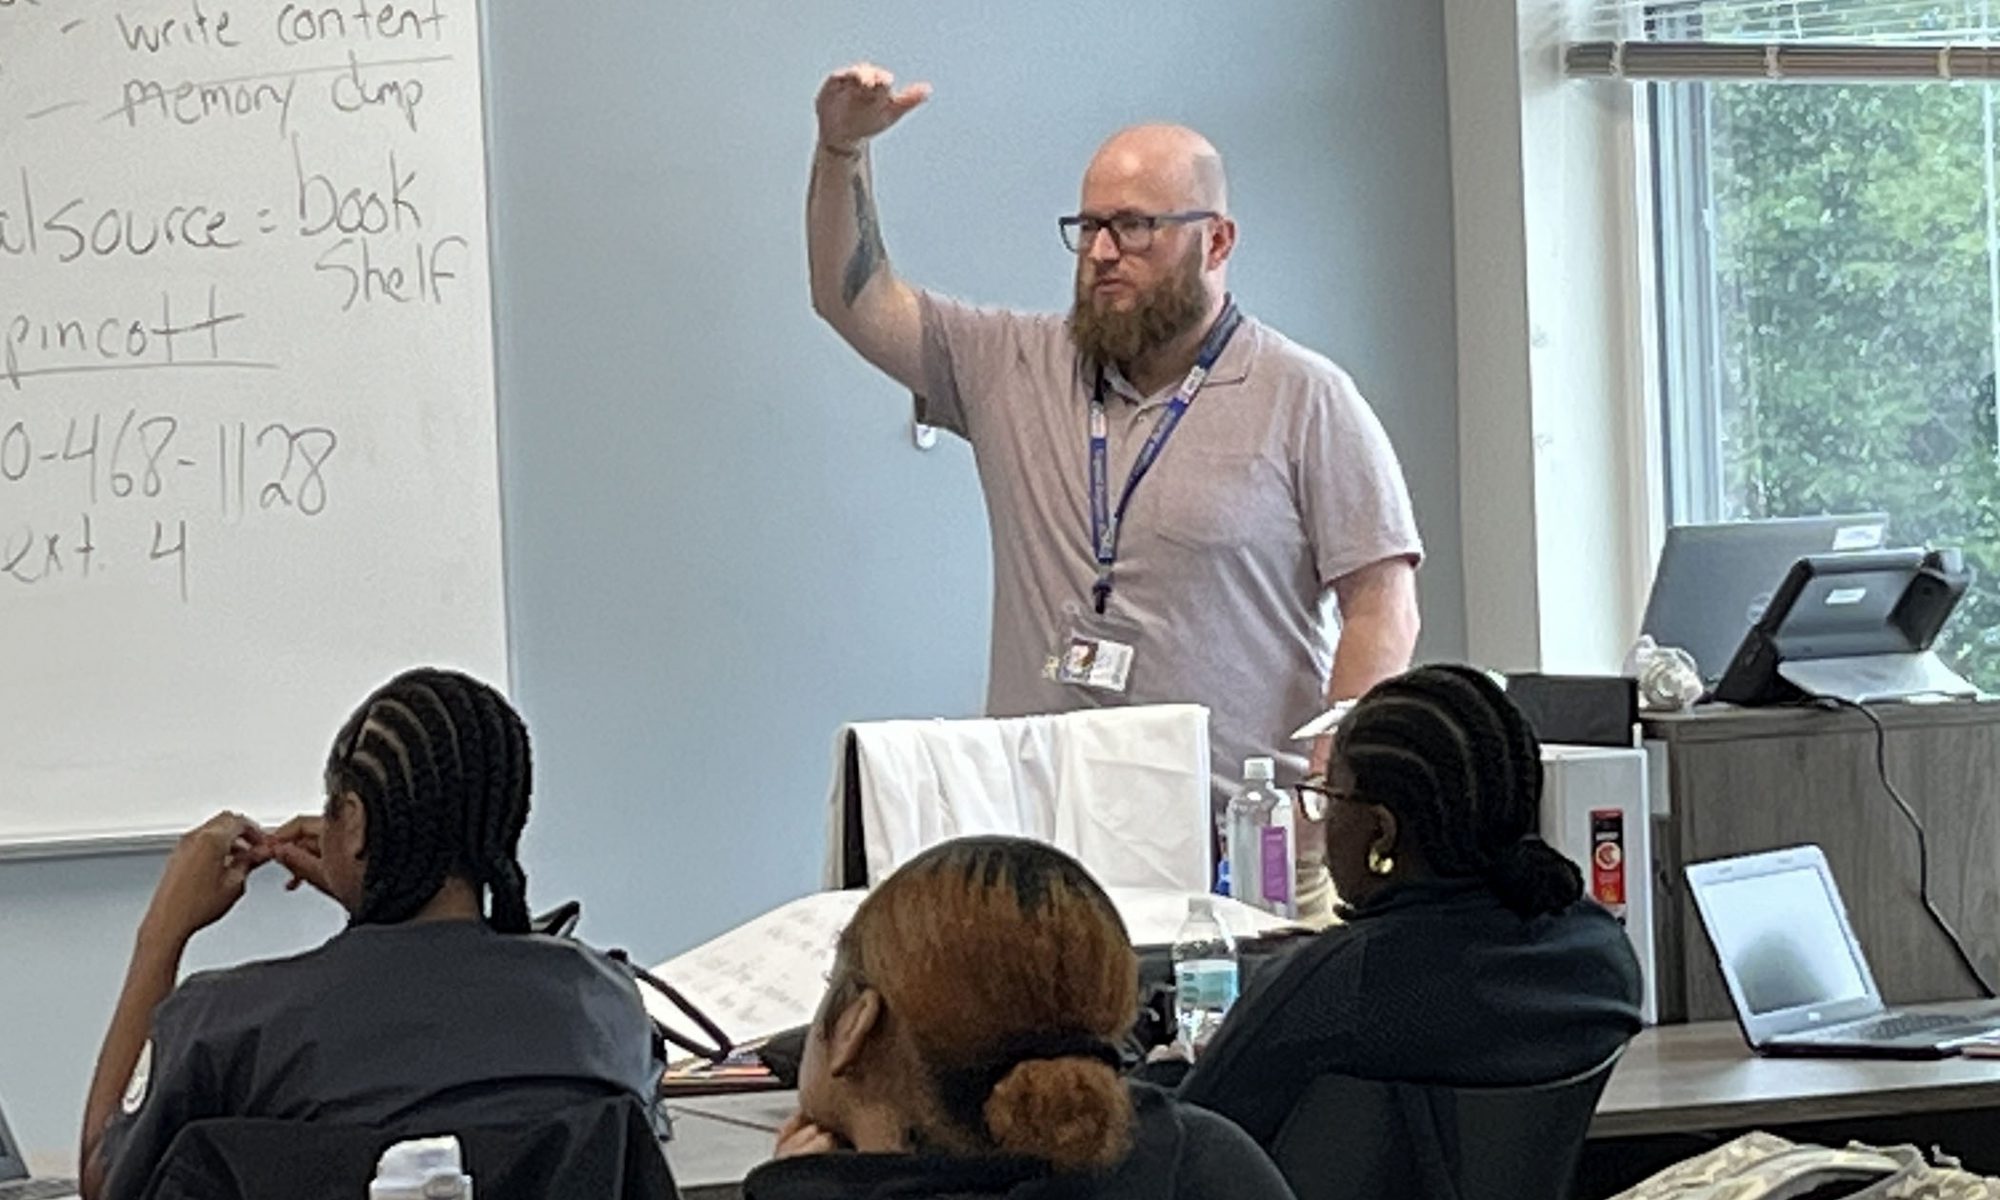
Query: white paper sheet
[{"x": 768, "y": 974}]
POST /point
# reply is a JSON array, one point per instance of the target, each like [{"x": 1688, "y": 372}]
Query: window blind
[{"x": 1879, "y": 41}]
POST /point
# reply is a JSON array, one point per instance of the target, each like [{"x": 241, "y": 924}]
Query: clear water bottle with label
[
  {"x": 421, "y": 1169},
  {"x": 1205, "y": 975},
  {"x": 1263, "y": 842}
]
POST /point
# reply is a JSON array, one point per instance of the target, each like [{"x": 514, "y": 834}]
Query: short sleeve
[
  {"x": 174, "y": 1083},
  {"x": 1351, "y": 487},
  {"x": 967, "y": 350},
  {"x": 619, "y": 1010}
]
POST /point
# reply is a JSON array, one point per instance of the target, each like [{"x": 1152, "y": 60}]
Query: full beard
[{"x": 1104, "y": 335}]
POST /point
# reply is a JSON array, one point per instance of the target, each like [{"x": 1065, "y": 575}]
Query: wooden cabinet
[{"x": 1742, "y": 780}]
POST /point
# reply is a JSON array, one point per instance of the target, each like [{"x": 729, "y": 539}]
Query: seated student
[
  {"x": 1468, "y": 957},
  {"x": 430, "y": 1010},
  {"x": 967, "y": 1046}
]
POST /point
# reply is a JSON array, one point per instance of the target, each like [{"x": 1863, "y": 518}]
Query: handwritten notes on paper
[{"x": 768, "y": 975}]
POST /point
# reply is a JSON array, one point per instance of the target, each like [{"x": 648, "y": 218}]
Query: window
[{"x": 1829, "y": 261}]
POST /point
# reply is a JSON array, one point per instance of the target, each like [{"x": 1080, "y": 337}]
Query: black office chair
[
  {"x": 1350, "y": 1139},
  {"x": 560, "y": 921},
  {"x": 601, "y": 1149}
]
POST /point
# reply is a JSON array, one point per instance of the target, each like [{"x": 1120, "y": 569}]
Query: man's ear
[
  {"x": 1221, "y": 242},
  {"x": 853, "y": 1029}
]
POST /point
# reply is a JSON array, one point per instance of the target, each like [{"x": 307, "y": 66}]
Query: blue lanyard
[{"x": 1106, "y": 522}]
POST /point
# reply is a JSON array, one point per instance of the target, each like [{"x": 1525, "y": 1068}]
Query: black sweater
[
  {"x": 1178, "y": 1153},
  {"x": 1426, "y": 983}
]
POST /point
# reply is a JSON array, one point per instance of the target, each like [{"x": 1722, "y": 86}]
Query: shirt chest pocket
[{"x": 1209, "y": 500}]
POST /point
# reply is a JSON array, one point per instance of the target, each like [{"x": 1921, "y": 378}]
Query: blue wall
[{"x": 720, "y": 541}]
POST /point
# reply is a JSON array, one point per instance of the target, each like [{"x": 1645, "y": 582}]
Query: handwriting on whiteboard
[{"x": 115, "y": 282}]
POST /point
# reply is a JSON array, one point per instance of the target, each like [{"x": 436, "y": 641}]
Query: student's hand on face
[
  {"x": 296, "y": 847},
  {"x": 858, "y": 102},
  {"x": 800, "y": 1137},
  {"x": 204, "y": 876}
]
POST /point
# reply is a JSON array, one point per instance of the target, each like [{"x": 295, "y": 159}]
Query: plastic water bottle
[
  {"x": 1205, "y": 975},
  {"x": 1263, "y": 842},
  {"x": 421, "y": 1169}
]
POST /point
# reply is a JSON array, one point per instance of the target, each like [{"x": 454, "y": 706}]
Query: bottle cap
[
  {"x": 1259, "y": 770},
  {"x": 422, "y": 1167}
]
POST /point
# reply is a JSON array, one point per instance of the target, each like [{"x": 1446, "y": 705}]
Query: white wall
[{"x": 1560, "y": 496}]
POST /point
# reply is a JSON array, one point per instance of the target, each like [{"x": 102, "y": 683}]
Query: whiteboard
[{"x": 247, "y": 452}]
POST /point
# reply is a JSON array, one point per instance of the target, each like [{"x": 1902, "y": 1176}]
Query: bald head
[
  {"x": 1153, "y": 272},
  {"x": 1171, "y": 166}
]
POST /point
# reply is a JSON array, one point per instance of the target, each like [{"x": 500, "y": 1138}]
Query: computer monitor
[
  {"x": 1715, "y": 581},
  {"x": 1854, "y": 626}
]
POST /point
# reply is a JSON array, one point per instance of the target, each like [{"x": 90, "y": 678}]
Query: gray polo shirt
[
  {"x": 419, "y": 1027},
  {"x": 1278, "y": 482}
]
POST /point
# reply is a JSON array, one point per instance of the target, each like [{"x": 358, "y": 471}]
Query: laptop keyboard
[
  {"x": 38, "y": 1189},
  {"x": 1901, "y": 1025}
]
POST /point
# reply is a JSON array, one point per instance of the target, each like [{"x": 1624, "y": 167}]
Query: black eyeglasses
[
  {"x": 719, "y": 1046},
  {"x": 1316, "y": 796},
  {"x": 1131, "y": 232},
  {"x": 561, "y": 922}
]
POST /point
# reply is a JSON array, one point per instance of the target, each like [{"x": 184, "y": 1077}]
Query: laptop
[
  {"x": 1715, "y": 581},
  {"x": 1795, "y": 973},
  {"x": 14, "y": 1181}
]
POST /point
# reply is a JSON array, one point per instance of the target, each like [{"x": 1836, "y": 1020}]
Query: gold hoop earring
[{"x": 1379, "y": 863}]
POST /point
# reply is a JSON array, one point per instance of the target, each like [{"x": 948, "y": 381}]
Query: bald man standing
[{"x": 1185, "y": 505}]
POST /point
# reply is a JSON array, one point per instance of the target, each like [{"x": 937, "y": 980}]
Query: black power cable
[{"x": 1923, "y": 845}]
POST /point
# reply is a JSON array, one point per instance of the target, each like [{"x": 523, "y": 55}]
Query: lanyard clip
[{"x": 1100, "y": 592}]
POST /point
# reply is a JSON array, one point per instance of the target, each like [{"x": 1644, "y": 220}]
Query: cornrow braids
[
  {"x": 496, "y": 800},
  {"x": 1446, "y": 751},
  {"x": 440, "y": 762}
]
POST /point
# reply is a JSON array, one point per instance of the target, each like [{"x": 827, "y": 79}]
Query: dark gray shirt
[
  {"x": 1278, "y": 482},
  {"x": 1431, "y": 982},
  {"x": 420, "y": 1027}
]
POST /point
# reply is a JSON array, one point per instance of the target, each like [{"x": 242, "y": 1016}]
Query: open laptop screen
[{"x": 1780, "y": 936}]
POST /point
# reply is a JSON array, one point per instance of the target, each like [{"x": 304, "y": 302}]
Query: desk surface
[
  {"x": 1674, "y": 1079},
  {"x": 1686, "y": 1078},
  {"x": 720, "y": 1139}
]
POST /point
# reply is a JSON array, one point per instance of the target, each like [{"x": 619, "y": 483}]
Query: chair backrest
[
  {"x": 599, "y": 1150},
  {"x": 1352, "y": 1138}
]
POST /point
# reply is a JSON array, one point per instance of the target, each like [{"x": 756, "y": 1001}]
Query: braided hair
[
  {"x": 440, "y": 763},
  {"x": 1448, "y": 753}
]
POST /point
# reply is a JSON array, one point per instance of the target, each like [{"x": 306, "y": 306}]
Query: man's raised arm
[{"x": 853, "y": 288}]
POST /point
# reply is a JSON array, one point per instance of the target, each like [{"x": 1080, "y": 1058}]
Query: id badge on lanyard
[
  {"x": 1097, "y": 663},
  {"x": 1102, "y": 664}
]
